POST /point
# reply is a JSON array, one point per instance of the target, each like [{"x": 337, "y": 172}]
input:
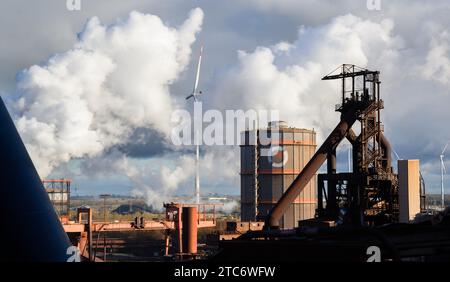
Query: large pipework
[
  {"x": 311, "y": 168},
  {"x": 387, "y": 149},
  {"x": 331, "y": 169},
  {"x": 32, "y": 230},
  {"x": 190, "y": 220}
]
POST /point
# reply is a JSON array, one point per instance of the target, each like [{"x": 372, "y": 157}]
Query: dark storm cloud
[{"x": 147, "y": 143}]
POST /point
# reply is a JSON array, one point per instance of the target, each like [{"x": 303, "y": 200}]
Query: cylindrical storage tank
[
  {"x": 277, "y": 124},
  {"x": 279, "y": 163},
  {"x": 189, "y": 222}
]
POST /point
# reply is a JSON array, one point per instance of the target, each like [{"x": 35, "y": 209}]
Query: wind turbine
[
  {"x": 195, "y": 92},
  {"x": 194, "y": 95},
  {"x": 443, "y": 171}
]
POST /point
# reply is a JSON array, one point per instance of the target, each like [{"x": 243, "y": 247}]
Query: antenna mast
[{"x": 443, "y": 171}]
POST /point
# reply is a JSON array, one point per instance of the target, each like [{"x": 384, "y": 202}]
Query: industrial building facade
[{"x": 269, "y": 170}]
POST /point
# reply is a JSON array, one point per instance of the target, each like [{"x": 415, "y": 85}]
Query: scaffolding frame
[{"x": 58, "y": 191}]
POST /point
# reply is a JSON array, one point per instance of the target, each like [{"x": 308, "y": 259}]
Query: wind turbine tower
[
  {"x": 443, "y": 171},
  {"x": 195, "y": 93}
]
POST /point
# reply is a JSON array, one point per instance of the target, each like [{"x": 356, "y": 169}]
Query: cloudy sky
[{"x": 92, "y": 91}]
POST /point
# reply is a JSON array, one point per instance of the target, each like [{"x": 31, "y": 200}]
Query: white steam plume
[
  {"x": 286, "y": 76},
  {"x": 157, "y": 186},
  {"x": 437, "y": 65},
  {"x": 159, "y": 179},
  {"x": 115, "y": 79}
]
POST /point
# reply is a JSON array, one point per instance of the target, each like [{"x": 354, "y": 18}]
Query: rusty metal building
[{"x": 267, "y": 170}]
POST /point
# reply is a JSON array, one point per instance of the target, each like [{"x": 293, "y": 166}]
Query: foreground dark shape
[
  {"x": 428, "y": 241},
  {"x": 31, "y": 230}
]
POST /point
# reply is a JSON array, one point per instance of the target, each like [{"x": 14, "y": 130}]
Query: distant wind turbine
[
  {"x": 194, "y": 95},
  {"x": 443, "y": 171}
]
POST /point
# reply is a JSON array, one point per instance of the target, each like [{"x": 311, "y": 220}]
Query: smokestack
[{"x": 32, "y": 230}]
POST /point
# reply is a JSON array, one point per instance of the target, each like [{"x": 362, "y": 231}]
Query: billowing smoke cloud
[
  {"x": 159, "y": 179},
  {"x": 287, "y": 76},
  {"x": 115, "y": 79},
  {"x": 156, "y": 181},
  {"x": 414, "y": 67},
  {"x": 228, "y": 207},
  {"x": 437, "y": 65},
  {"x": 158, "y": 186}
]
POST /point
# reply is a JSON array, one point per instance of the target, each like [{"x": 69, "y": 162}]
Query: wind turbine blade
[
  {"x": 443, "y": 166},
  {"x": 396, "y": 155},
  {"x": 190, "y": 96},
  {"x": 445, "y": 148},
  {"x": 197, "y": 76}
]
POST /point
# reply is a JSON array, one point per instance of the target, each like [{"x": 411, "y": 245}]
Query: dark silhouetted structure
[{"x": 31, "y": 230}]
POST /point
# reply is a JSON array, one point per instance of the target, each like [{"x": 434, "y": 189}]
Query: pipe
[
  {"x": 178, "y": 228},
  {"x": 166, "y": 244},
  {"x": 90, "y": 233},
  {"x": 311, "y": 168},
  {"x": 190, "y": 220},
  {"x": 31, "y": 228},
  {"x": 386, "y": 146},
  {"x": 332, "y": 206}
]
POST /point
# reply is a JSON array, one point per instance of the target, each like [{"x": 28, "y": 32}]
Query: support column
[
  {"x": 190, "y": 220},
  {"x": 332, "y": 207}
]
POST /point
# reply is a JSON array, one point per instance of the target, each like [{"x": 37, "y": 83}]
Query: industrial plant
[
  {"x": 370, "y": 206},
  {"x": 289, "y": 210}
]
